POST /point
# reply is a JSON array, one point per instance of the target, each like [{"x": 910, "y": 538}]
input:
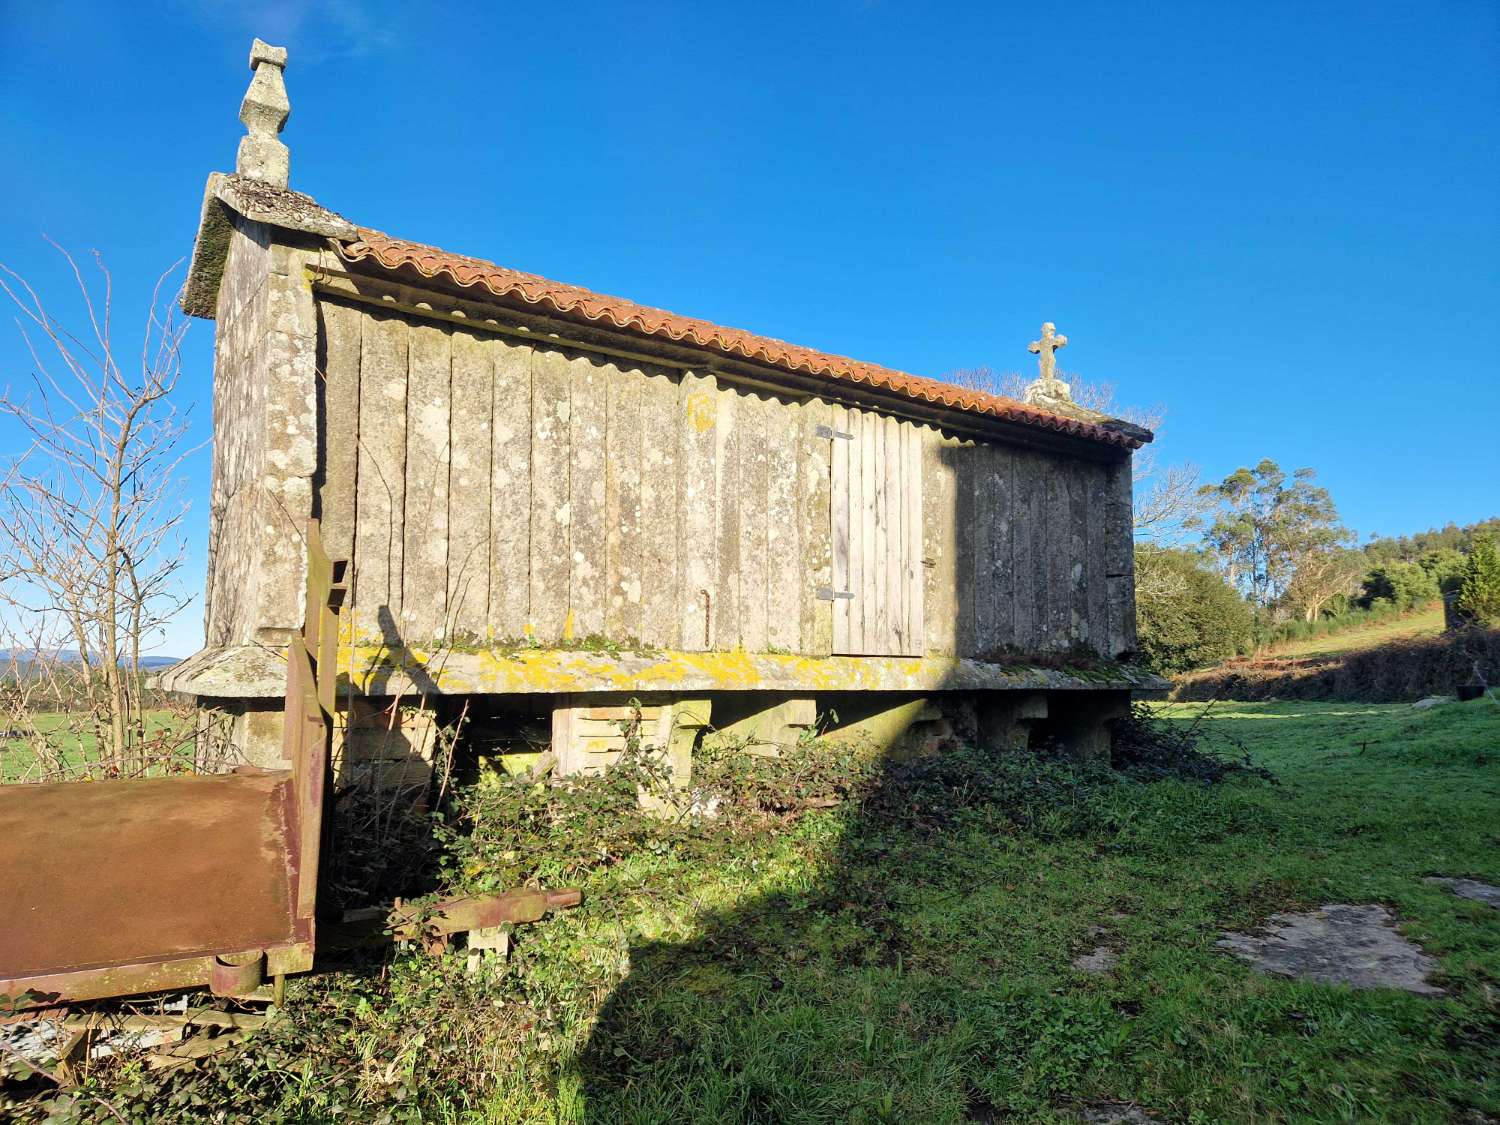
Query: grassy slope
[
  {"x": 70, "y": 743},
  {"x": 1427, "y": 622},
  {"x": 838, "y": 971}
]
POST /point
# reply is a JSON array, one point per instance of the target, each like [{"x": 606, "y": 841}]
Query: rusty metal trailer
[{"x": 118, "y": 888}]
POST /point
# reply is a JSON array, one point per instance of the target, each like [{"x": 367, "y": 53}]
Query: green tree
[
  {"x": 1479, "y": 593},
  {"x": 1266, "y": 524},
  {"x": 1402, "y": 584},
  {"x": 1187, "y": 615}
]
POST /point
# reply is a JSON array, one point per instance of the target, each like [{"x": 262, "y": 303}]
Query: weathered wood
[
  {"x": 788, "y": 571},
  {"x": 880, "y": 594},
  {"x": 1002, "y": 565},
  {"x": 622, "y": 503},
  {"x": 1058, "y": 525},
  {"x": 381, "y": 485},
  {"x": 660, "y": 422},
  {"x": 508, "y": 528},
  {"x": 868, "y": 597},
  {"x": 1078, "y": 545},
  {"x": 916, "y": 573},
  {"x": 814, "y": 483},
  {"x": 586, "y": 485},
  {"x": 939, "y": 543},
  {"x": 424, "y": 576},
  {"x": 843, "y": 467},
  {"x": 754, "y": 494},
  {"x": 966, "y": 461},
  {"x": 1119, "y": 560},
  {"x": 725, "y": 626},
  {"x": 1024, "y": 562},
  {"x": 550, "y": 542},
  {"x": 1095, "y": 570},
  {"x": 1038, "y": 586},
  {"x": 989, "y": 555},
  {"x": 697, "y": 476},
  {"x": 338, "y": 424}
]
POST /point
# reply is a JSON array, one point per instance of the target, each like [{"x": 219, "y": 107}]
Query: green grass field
[
  {"x": 1426, "y": 622},
  {"x": 855, "y": 967},
  {"x": 70, "y": 745}
]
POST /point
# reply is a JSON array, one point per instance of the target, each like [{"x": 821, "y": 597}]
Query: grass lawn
[
  {"x": 70, "y": 743},
  {"x": 1426, "y": 622},
  {"x": 854, "y": 966}
]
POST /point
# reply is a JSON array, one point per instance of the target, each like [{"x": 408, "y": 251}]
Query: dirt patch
[
  {"x": 1338, "y": 944},
  {"x": 1471, "y": 889}
]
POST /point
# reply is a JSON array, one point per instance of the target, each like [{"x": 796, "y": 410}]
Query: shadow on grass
[{"x": 860, "y": 991}]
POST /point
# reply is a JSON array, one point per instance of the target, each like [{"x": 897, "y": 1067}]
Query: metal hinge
[
  {"x": 830, "y": 432},
  {"x": 829, "y": 594}
]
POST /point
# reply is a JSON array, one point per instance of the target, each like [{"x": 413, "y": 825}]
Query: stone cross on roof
[
  {"x": 264, "y": 111},
  {"x": 1048, "y": 385}
]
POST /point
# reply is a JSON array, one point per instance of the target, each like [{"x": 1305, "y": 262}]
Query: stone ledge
[{"x": 256, "y": 672}]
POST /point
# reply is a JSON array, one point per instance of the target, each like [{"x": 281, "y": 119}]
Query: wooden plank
[
  {"x": 754, "y": 492},
  {"x": 1078, "y": 546},
  {"x": 1095, "y": 569},
  {"x": 939, "y": 543},
  {"x": 424, "y": 576},
  {"x": 697, "y": 474},
  {"x": 549, "y": 543},
  {"x": 894, "y": 539},
  {"x": 916, "y": 573},
  {"x": 965, "y": 456},
  {"x": 725, "y": 626},
  {"x": 1023, "y": 561},
  {"x": 1040, "y": 580},
  {"x": 787, "y": 572},
  {"x": 1119, "y": 559},
  {"x": 843, "y": 466},
  {"x": 381, "y": 487},
  {"x": 987, "y": 595},
  {"x": 660, "y": 616},
  {"x": 815, "y": 505},
  {"x": 586, "y": 436},
  {"x": 1002, "y": 545},
  {"x": 880, "y": 643},
  {"x": 871, "y": 576},
  {"x": 1058, "y": 525},
  {"x": 338, "y": 424},
  {"x": 510, "y": 489},
  {"x": 622, "y": 503}
]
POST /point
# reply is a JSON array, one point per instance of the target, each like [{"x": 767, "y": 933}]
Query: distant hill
[{"x": 70, "y": 656}]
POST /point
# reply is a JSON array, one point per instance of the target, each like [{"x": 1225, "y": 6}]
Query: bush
[
  {"x": 1401, "y": 584},
  {"x": 1187, "y": 615},
  {"x": 1479, "y": 590}
]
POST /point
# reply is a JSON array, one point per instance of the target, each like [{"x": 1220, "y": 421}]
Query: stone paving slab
[
  {"x": 1471, "y": 889},
  {"x": 1338, "y": 944}
]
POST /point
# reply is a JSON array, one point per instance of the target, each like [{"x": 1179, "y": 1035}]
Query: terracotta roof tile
[{"x": 577, "y": 303}]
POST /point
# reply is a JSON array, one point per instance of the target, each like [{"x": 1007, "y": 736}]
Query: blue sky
[{"x": 1280, "y": 220}]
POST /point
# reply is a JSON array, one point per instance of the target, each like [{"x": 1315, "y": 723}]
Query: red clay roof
[{"x": 584, "y": 304}]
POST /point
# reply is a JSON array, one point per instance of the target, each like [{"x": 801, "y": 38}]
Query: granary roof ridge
[{"x": 574, "y": 301}]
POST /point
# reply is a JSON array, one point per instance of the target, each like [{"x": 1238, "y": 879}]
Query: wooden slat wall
[
  {"x": 507, "y": 490},
  {"x": 877, "y": 536}
]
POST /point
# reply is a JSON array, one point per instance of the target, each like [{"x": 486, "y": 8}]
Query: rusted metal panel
[{"x": 115, "y": 888}]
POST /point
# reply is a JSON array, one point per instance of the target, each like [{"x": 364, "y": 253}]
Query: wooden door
[{"x": 877, "y": 535}]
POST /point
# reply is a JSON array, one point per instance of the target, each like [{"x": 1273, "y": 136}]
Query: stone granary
[{"x": 555, "y": 501}]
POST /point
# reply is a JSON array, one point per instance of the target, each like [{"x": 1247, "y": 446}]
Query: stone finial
[
  {"x": 264, "y": 111},
  {"x": 1048, "y": 385}
]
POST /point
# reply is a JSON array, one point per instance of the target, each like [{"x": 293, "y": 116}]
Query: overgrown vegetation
[
  {"x": 895, "y": 944},
  {"x": 1405, "y": 668}
]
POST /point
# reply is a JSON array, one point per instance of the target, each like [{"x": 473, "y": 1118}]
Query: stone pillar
[
  {"x": 774, "y": 723},
  {"x": 588, "y": 732},
  {"x": 1006, "y": 719}
]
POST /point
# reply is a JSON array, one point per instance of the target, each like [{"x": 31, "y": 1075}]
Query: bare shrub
[{"x": 91, "y": 509}]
